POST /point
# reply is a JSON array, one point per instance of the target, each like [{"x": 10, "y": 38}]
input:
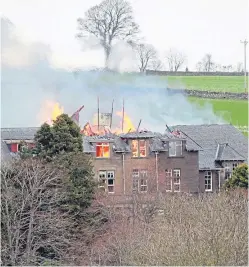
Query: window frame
[
  {"x": 235, "y": 165},
  {"x": 177, "y": 172},
  {"x": 209, "y": 176},
  {"x": 103, "y": 144},
  {"x": 168, "y": 178},
  {"x": 137, "y": 177},
  {"x": 177, "y": 175},
  {"x": 176, "y": 144},
  {"x": 105, "y": 180},
  {"x": 138, "y": 141}
]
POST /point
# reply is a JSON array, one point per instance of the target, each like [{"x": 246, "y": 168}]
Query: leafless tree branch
[
  {"x": 175, "y": 59},
  {"x": 146, "y": 54},
  {"x": 108, "y": 21},
  {"x": 206, "y": 64},
  {"x": 31, "y": 220}
]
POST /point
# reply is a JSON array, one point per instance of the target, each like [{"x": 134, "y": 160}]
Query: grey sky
[{"x": 195, "y": 27}]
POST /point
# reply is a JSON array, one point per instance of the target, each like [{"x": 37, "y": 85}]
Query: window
[
  {"x": 107, "y": 181},
  {"x": 102, "y": 179},
  {"x": 138, "y": 148},
  {"x": 139, "y": 178},
  {"x": 235, "y": 165},
  {"x": 14, "y": 147},
  {"x": 228, "y": 175},
  {"x": 208, "y": 181},
  {"x": 175, "y": 148},
  {"x": 177, "y": 172},
  {"x": 143, "y": 185},
  {"x": 168, "y": 176},
  {"x": 142, "y": 148},
  {"x": 102, "y": 150},
  {"x": 176, "y": 179},
  {"x": 176, "y": 184},
  {"x": 228, "y": 171}
]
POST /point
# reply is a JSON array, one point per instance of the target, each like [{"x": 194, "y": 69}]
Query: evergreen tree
[
  {"x": 62, "y": 145},
  {"x": 239, "y": 178},
  {"x": 63, "y": 136}
]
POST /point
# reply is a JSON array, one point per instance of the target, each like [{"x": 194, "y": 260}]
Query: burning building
[{"x": 126, "y": 160}]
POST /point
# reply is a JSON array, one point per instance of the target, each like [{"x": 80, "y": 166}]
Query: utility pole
[{"x": 245, "y": 42}]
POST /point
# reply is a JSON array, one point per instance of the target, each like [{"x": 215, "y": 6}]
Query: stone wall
[
  {"x": 194, "y": 73},
  {"x": 209, "y": 94}
]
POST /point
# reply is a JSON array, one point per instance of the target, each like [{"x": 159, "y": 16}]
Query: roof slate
[
  {"x": 27, "y": 133},
  {"x": 226, "y": 152},
  {"x": 208, "y": 136}
]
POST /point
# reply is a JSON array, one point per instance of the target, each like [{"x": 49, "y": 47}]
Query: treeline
[
  {"x": 112, "y": 21},
  {"x": 193, "y": 73}
]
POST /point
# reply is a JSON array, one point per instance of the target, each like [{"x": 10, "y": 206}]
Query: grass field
[
  {"x": 232, "y": 111},
  {"x": 211, "y": 83}
]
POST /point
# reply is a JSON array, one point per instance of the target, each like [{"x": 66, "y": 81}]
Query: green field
[
  {"x": 232, "y": 111},
  {"x": 210, "y": 83}
]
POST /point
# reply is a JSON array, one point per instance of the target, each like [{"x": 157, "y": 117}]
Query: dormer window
[
  {"x": 102, "y": 150},
  {"x": 138, "y": 148},
  {"x": 175, "y": 148}
]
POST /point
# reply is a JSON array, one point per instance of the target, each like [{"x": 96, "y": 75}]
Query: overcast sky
[{"x": 195, "y": 27}]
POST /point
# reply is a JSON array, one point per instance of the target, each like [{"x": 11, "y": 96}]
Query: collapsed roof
[
  {"x": 157, "y": 140},
  {"x": 215, "y": 142}
]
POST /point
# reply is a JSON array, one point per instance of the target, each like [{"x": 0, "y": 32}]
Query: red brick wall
[{"x": 188, "y": 164}]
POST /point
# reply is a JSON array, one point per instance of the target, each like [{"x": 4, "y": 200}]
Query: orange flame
[
  {"x": 57, "y": 111},
  {"x": 50, "y": 110},
  {"x": 101, "y": 130},
  {"x": 128, "y": 125}
]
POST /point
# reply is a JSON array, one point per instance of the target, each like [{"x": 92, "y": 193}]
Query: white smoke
[{"x": 28, "y": 81}]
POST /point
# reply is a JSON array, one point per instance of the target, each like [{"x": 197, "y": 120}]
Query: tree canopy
[
  {"x": 63, "y": 137},
  {"x": 239, "y": 178},
  {"x": 108, "y": 21}
]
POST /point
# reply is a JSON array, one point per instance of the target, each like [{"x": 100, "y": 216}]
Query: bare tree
[
  {"x": 108, "y": 21},
  {"x": 146, "y": 55},
  {"x": 206, "y": 230},
  {"x": 239, "y": 67},
  {"x": 32, "y": 225},
  {"x": 175, "y": 59},
  {"x": 206, "y": 64},
  {"x": 156, "y": 64}
]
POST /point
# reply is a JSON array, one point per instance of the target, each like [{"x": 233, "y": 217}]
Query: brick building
[{"x": 192, "y": 159}]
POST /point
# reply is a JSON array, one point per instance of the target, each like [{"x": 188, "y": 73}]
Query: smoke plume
[{"x": 29, "y": 81}]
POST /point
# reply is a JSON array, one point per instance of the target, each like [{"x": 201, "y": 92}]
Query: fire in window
[
  {"x": 140, "y": 180},
  {"x": 107, "y": 181},
  {"x": 102, "y": 150},
  {"x": 142, "y": 148},
  {"x": 134, "y": 148},
  {"x": 138, "y": 148}
]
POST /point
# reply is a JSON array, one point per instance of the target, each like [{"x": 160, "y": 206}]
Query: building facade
[{"x": 191, "y": 159}]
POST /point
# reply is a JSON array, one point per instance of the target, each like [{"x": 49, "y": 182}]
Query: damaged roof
[{"x": 211, "y": 138}]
